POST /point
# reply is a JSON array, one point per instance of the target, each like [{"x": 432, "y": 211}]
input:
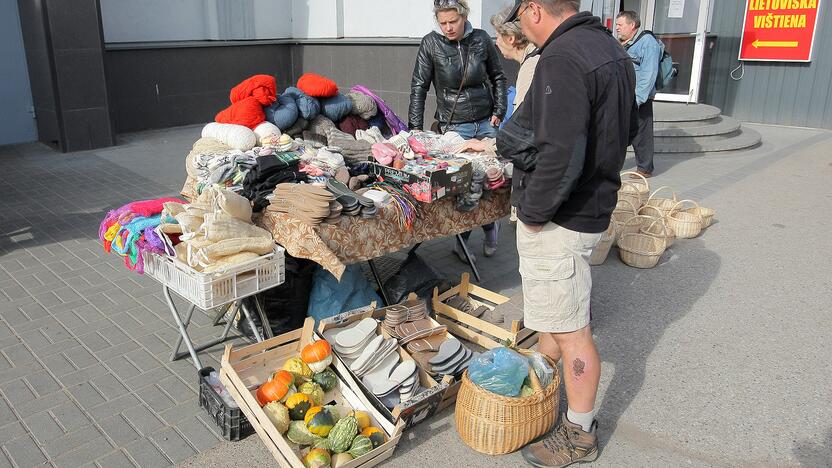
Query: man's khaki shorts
[{"x": 557, "y": 282}]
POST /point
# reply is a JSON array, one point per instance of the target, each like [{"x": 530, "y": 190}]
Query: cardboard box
[
  {"x": 411, "y": 412},
  {"x": 244, "y": 369},
  {"x": 441, "y": 183}
]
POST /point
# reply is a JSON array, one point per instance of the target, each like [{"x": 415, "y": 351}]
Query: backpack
[{"x": 666, "y": 69}]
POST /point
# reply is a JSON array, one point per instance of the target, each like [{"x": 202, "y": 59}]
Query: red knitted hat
[{"x": 317, "y": 86}]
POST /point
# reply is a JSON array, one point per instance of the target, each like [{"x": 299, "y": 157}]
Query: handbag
[{"x": 436, "y": 127}]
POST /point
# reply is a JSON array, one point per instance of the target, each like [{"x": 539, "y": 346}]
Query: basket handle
[
  {"x": 637, "y": 218},
  {"x": 659, "y": 190},
  {"x": 646, "y": 184},
  {"x": 635, "y": 210},
  {"x": 645, "y": 208},
  {"x": 672, "y": 210},
  {"x": 663, "y": 225}
]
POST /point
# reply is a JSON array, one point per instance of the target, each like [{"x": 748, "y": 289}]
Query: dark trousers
[{"x": 643, "y": 142}]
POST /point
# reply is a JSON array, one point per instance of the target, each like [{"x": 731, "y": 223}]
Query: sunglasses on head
[{"x": 445, "y": 2}]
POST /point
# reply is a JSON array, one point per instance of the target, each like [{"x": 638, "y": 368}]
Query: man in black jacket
[{"x": 581, "y": 103}]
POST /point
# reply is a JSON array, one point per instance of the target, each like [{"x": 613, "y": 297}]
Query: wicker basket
[
  {"x": 624, "y": 210},
  {"x": 640, "y": 250},
  {"x": 686, "y": 225},
  {"x": 707, "y": 214},
  {"x": 633, "y": 226},
  {"x": 634, "y": 190},
  {"x": 658, "y": 207},
  {"x": 602, "y": 249},
  {"x": 659, "y": 229},
  {"x": 495, "y": 425}
]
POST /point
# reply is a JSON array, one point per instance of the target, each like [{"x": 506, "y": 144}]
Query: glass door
[{"x": 681, "y": 25}]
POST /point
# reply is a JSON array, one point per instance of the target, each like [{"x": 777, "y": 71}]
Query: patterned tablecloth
[{"x": 355, "y": 239}]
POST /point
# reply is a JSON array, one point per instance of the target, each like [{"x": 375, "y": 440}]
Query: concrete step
[
  {"x": 680, "y": 112},
  {"x": 739, "y": 139},
  {"x": 717, "y": 126}
]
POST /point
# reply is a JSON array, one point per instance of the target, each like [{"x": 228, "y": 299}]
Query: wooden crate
[
  {"x": 244, "y": 369},
  {"x": 476, "y": 330},
  {"x": 411, "y": 412}
]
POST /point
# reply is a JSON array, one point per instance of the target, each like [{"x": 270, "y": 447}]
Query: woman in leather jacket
[
  {"x": 474, "y": 109},
  {"x": 464, "y": 68}
]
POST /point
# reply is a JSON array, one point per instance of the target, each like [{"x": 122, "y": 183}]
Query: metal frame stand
[{"x": 176, "y": 354}]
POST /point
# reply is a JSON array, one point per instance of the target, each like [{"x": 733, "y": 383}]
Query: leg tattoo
[{"x": 578, "y": 367}]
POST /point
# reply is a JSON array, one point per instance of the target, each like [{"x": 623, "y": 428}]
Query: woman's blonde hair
[
  {"x": 511, "y": 29},
  {"x": 459, "y": 6}
]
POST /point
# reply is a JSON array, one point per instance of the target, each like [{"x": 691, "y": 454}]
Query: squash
[
  {"x": 299, "y": 369},
  {"x": 278, "y": 415},
  {"x": 317, "y": 355},
  {"x": 326, "y": 379},
  {"x": 315, "y": 392},
  {"x": 375, "y": 435},
  {"x": 363, "y": 419},
  {"x": 341, "y": 459},
  {"x": 276, "y": 389},
  {"x": 319, "y": 421},
  {"x": 298, "y": 404},
  {"x": 361, "y": 445},
  {"x": 317, "y": 458},
  {"x": 299, "y": 434},
  {"x": 342, "y": 434}
]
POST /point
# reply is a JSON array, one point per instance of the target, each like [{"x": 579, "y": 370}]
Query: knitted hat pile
[
  {"x": 317, "y": 86},
  {"x": 354, "y": 151},
  {"x": 362, "y": 105}
]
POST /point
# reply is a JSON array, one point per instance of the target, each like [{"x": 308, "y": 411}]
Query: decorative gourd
[
  {"x": 278, "y": 415},
  {"x": 323, "y": 443},
  {"x": 342, "y": 434},
  {"x": 317, "y": 355},
  {"x": 299, "y": 369},
  {"x": 317, "y": 458},
  {"x": 363, "y": 419},
  {"x": 338, "y": 411},
  {"x": 361, "y": 445},
  {"x": 276, "y": 389},
  {"x": 375, "y": 435},
  {"x": 315, "y": 392},
  {"x": 299, "y": 434},
  {"x": 319, "y": 421},
  {"x": 326, "y": 379},
  {"x": 341, "y": 459},
  {"x": 298, "y": 404}
]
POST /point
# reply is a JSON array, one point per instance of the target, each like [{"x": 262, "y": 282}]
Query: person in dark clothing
[
  {"x": 463, "y": 65},
  {"x": 581, "y": 113}
]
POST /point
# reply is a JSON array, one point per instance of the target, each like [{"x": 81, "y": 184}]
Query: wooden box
[
  {"x": 244, "y": 369},
  {"x": 408, "y": 414}
]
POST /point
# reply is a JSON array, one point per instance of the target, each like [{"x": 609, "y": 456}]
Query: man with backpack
[{"x": 646, "y": 52}]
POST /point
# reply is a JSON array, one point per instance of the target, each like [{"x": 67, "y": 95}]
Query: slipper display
[
  {"x": 430, "y": 343},
  {"x": 465, "y": 306},
  {"x": 451, "y": 359}
]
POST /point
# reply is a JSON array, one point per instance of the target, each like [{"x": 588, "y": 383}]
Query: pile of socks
[{"x": 309, "y": 203}]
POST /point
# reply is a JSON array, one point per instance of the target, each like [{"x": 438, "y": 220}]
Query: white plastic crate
[{"x": 209, "y": 290}]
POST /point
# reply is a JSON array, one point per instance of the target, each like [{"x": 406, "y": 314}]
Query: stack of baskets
[{"x": 644, "y": 224}]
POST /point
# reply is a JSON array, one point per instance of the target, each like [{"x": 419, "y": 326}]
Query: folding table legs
[
  {"x": 468, "y": 256},
  {"x": 376, "y": 277},
  {"x": 183, "y": 330}
]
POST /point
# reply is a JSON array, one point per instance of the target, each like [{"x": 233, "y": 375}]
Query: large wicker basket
[
  {"x": 634, "y": 190},
  {"x": 602, "y": 249},
  {"x": 707, "y": 214},
  {"x": 659, "y": 229},
  {"x": 685, "y": 224},
  {"x": 624, "y": 210},
  {"x": 495, "y": 425},
  {"x": 640, "y": 250},
  {"x": 658, "y": 207}
]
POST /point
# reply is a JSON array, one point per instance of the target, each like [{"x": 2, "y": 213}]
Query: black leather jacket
[{"x": 440, "y": 62}]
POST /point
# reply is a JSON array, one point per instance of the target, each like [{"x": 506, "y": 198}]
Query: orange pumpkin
[
  {"x": 317, "y": 355},
  {"x": 276, "y": 388}
]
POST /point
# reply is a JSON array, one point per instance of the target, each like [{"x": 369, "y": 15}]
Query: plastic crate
[
  {"x": 231, "y": 422},
  {"x": 209, "y": 290}
]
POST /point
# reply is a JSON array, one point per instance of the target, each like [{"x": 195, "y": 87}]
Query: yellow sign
[{"x": 759, "y": 43}]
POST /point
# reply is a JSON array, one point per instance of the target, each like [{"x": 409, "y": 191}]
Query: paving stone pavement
[{"x": 85, "y": 378}]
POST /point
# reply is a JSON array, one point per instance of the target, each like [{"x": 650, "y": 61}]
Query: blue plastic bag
[
  {"x": 330, "y": 297},
  {"x": 499, "y": 371}
]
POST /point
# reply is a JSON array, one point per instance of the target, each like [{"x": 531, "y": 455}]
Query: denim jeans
[{"x": 471, "y": 130}]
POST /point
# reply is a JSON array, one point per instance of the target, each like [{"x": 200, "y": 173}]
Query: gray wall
[
  {"x": 15, "y": 94},
  {"x": 782, "y": 93},
  {"x": 158, "y": 88}
]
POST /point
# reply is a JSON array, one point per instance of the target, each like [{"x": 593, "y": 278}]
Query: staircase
[{"x": 698, "y": 128}]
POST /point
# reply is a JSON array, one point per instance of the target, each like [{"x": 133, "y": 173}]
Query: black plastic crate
[{"x": 232, "y": 422}]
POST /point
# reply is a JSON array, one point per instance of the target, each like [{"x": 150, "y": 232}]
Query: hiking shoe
[{"x": 565, "y": 445}]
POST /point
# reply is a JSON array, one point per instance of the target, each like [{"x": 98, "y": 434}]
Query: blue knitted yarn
[
  {"x": 308, "y": 106},
  {"x": 134, "y": 231},
  {"x": 283, "y": 113},
  {"x": 336, "y": 108}
]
